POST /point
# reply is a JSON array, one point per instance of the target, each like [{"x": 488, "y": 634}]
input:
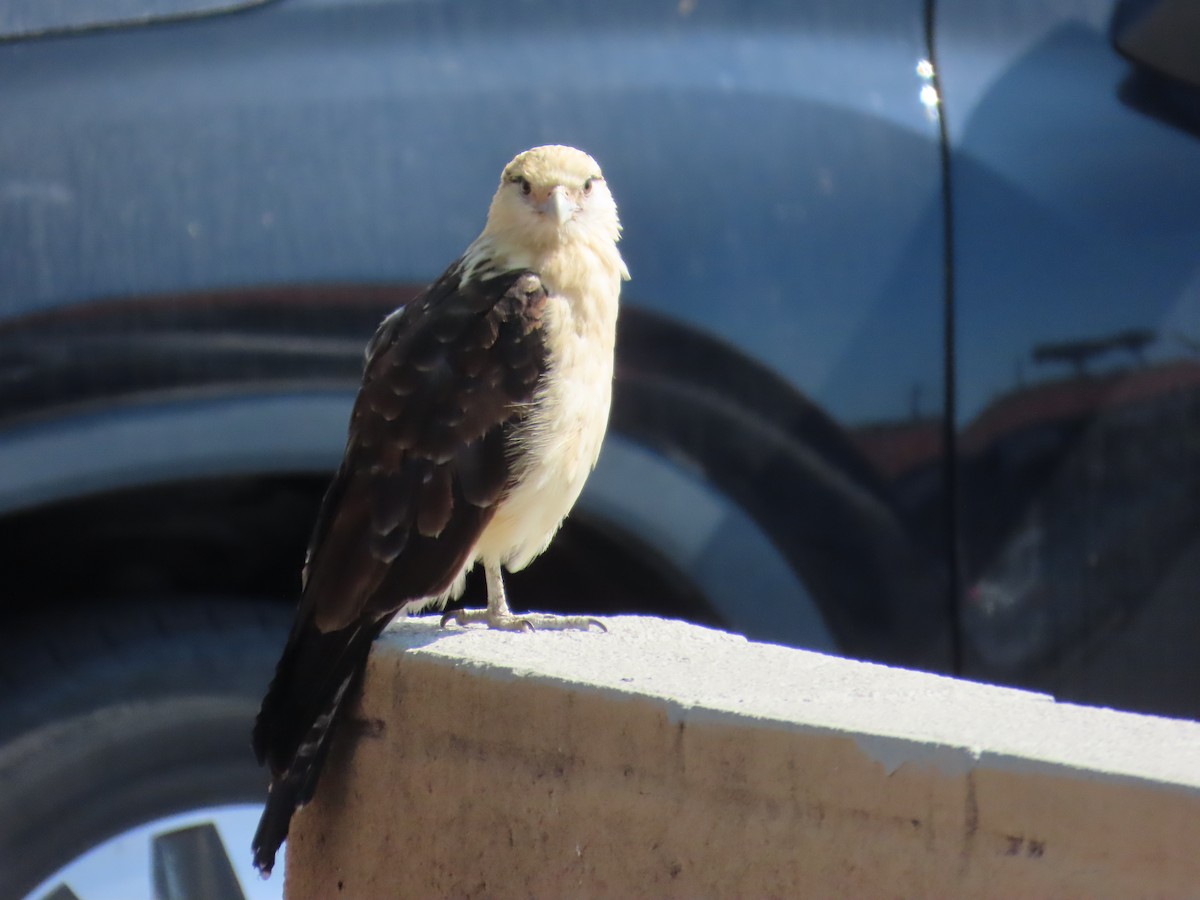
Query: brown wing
[
  {"x": 426, "y": 462},
  {"x": 427, "y": 458}
]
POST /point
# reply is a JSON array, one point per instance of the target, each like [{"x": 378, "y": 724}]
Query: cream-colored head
[{"x": 550, "y": 196}]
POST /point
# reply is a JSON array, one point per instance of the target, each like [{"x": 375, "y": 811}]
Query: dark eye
[
  {"x": 587, "y": 185},
  {"x": 523, "y": 182}
]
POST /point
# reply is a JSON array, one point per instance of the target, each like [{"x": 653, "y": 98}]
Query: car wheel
[{"x": 120, "y": 716}]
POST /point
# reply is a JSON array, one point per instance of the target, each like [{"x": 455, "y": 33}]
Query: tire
[{"x": 116, "y": 716}]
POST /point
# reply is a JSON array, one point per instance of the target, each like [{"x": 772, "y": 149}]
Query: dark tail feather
[
  {"x": 316, "y": 674},
  {"x": 296, "y": 786},
  {"x": 282, "y": 803}
]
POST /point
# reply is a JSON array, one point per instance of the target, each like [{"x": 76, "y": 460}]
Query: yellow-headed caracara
[{"x": 483, "y": 405}]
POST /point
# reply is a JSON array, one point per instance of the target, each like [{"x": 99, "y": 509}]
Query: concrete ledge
[{"x": 662, "y": 759}]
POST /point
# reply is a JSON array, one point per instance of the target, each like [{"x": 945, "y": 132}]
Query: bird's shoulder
[
  {"x": 455, "y": 361},
  {"x": 442, "y": 313}
]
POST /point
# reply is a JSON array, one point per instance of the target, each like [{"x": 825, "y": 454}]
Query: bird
[{"x": 482, "y": 410}]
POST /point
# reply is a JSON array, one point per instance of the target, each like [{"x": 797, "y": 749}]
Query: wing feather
[{"x": 427, "y": 461}]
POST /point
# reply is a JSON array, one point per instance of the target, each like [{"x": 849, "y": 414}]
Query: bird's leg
[{"x": 498, "y": 615}]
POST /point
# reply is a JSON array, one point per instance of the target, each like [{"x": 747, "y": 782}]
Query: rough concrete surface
[{"x": 666, "y": 760}]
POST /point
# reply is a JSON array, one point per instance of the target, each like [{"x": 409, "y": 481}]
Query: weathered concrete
[{"x": 666, "y": 760}]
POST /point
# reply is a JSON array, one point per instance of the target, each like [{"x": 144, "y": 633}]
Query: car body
[{"x": 907, "y": 369}]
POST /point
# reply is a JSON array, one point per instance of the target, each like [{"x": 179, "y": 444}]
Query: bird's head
[{"x": 551, "y": 195}]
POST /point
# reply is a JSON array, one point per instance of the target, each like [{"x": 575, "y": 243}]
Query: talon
[{"x": 527, "y": 623}]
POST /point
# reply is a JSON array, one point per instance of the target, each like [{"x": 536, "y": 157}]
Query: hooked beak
[{"x": 559, "y": 206}]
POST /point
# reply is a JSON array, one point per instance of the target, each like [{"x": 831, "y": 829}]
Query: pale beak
[{"x": 559, "y": 205}]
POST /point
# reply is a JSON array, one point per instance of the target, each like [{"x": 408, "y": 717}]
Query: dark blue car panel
[
  {"x": 1077, "y": 265},
  {"x": 786, "y": 171}
]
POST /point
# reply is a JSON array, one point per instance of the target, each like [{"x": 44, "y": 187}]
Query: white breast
[{"x": 560, "y": 441}]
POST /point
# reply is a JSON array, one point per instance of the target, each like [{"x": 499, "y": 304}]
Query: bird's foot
[{"x": 506, "y": 621}]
